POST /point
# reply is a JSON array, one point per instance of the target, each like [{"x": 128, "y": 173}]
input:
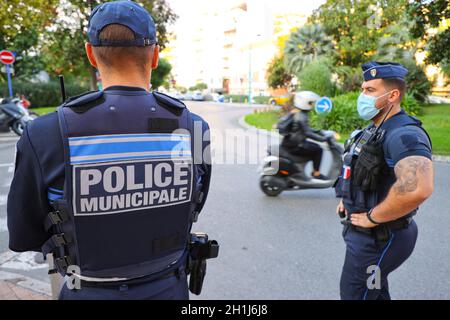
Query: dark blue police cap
[
  {"x": 383, "y": 70},
  {"x": 126, "y": 13}
]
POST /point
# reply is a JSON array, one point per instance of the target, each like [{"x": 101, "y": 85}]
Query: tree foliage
[
  {"x": 306, "y": 45},
  {"x": 278, "y": 77},
  {"x": 357, "y": 26},
  {"x": 432, "y": 14},
  {"x": 160, "y": 74},
  {"x": 22, "y": 23}
]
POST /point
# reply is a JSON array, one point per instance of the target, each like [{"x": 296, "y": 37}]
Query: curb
[{"x": 245, "y": 125}]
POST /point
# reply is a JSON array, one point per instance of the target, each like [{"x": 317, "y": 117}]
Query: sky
[{"x": 190, "y": 9}]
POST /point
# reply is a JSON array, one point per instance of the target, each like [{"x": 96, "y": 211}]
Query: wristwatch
[{"x": 370, "y": 217}]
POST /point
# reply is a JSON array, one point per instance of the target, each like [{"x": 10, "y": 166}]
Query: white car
[{"x": 197, "y": 96}]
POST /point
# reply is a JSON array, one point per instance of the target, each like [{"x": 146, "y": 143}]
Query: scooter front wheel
[{"x": 269, "y": 188}]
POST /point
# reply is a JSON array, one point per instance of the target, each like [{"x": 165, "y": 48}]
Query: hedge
[
  {"x": 344, "y": 116},
  {"x": 240, "y": 98},
  {"x": 43, "y": 94}
]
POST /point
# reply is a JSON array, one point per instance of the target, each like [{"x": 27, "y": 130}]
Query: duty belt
[
  {"x": 135, "y": 281},
  {"x": 401, "y": 223}
]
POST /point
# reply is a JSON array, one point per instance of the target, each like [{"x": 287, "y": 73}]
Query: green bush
[
  {"x": 316, "y": 77},
  {"x": 43, "y": 94},
  {"x": 344, "y": 116},
  {"x": 418, "y": 84},
  {"x": 261, "y": 99}
]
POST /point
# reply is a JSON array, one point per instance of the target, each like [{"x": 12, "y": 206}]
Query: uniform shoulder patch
[
  {"x": 83, "y": 99},
  {"x": 175, "y": 105}
]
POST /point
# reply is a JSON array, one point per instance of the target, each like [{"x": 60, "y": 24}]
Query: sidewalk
[
  {"x": 18, "y": 287},
  {"x": 11, "y": 291}
]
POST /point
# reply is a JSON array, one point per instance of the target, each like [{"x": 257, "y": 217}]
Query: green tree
[
  {"x": 278, "y": 77},
  {"x": 65, "y": 50},
  {"x": 397, "y": 43},
  {"x": 22, "y": 23},
  {"x": 199, "y": 86},
  {"x": 316, "y": 77},
  {"x": 431, "y": 14},
  {"x": 161, "y": 74},
  {"x": 357, "y": 26},
  {"x": 305, "y": 45}
]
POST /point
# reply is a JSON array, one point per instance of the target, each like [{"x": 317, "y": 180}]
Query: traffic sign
[
  {"x": 323, "y": 105},
  {"x": 4, "y": 69},
  {"x": 7, "y": 57}
]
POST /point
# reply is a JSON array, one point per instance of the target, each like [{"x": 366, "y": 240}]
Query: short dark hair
[
  {"x": 394, "y": 83},
  {"x": 114, "y": 57}
]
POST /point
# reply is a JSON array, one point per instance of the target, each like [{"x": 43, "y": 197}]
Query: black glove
[{"x": 368, "y": 167}]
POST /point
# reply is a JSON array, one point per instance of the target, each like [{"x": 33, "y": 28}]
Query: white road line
[
  {"x": 6, "y": 164},
  {"x": 3, "y": 225},
  {"x": 3, "y": 199}
]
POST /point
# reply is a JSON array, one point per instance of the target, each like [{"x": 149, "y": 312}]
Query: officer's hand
[
  {"x": 361, "y": 220},
  {"x": 340, "y": 208}
]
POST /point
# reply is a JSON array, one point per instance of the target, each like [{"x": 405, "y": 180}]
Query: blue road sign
[{"x": 323, "y": 105}]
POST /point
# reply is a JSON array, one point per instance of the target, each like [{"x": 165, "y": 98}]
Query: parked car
[
  {"x": 198, "y": 96},
  {"x": 284, "y": 100},
  {"x": 218, "y": 97},
  {"x": 189, "y": 96}
]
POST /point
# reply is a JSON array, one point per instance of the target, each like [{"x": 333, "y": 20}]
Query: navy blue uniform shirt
[
  {"x": 39, "y": 165},
  {"x": 402, "y": 142}
]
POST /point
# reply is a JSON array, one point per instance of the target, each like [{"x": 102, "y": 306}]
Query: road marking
[
  {"x": 9, "y": 139},
  {"x": 6, "y": 164},
  {"x": 3, "y": 225},
  {"x": 10, "y": 166},
  {"x": 20, "y": 261},
  {"x": 3, "y": 200}
]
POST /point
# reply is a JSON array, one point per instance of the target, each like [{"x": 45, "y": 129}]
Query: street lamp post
[{"x": 250, "y": 74}]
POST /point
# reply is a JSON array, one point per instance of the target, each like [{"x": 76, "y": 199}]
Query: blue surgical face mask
[{"x": 367, "y": 106}]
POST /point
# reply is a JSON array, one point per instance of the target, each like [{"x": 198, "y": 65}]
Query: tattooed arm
[{"x": 414, "y": 185}]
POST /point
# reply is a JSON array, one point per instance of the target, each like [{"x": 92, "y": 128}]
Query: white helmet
[{"x": 305, "y": 100}]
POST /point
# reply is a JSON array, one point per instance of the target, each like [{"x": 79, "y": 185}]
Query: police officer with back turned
[
  {"x": 387, "y": 174},
  {"x": 112, "y": 182}
]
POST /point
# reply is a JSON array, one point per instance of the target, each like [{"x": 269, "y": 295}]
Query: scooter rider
[{"x": 297, "y": 129}]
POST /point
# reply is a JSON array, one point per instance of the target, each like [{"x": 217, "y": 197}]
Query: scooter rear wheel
[
  {"x": 270, "y": 189},
  {"x": 18, "y": 127}
]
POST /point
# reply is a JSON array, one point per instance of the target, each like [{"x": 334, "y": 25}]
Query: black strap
[
  {"x": 61, "y": 264},
  {"x": 54, "y": 218},
  {"x": 399, "y": 224},
  {"x": 56, "y": 241}
]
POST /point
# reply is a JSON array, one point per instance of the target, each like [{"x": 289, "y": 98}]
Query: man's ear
[
  {"x": 394, "y": 96},
  {"x": 155, "y": 57},
  {"x": 90, "y": 54}
]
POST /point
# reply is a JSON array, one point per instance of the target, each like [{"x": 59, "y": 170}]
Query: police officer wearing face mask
[
  {"x": 111, "y": 183},
  {"x": 387, "y": 174}
]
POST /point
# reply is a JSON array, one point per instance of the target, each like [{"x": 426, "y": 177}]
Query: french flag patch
[{"x": 347, "y": 172}]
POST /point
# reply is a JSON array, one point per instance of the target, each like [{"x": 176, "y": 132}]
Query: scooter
[
  {"x": 283, "y": 171},
  {"x": 14, "y": 115}
]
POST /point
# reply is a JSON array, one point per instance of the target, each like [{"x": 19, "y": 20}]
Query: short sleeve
[{"x": 406, "y": 142}]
